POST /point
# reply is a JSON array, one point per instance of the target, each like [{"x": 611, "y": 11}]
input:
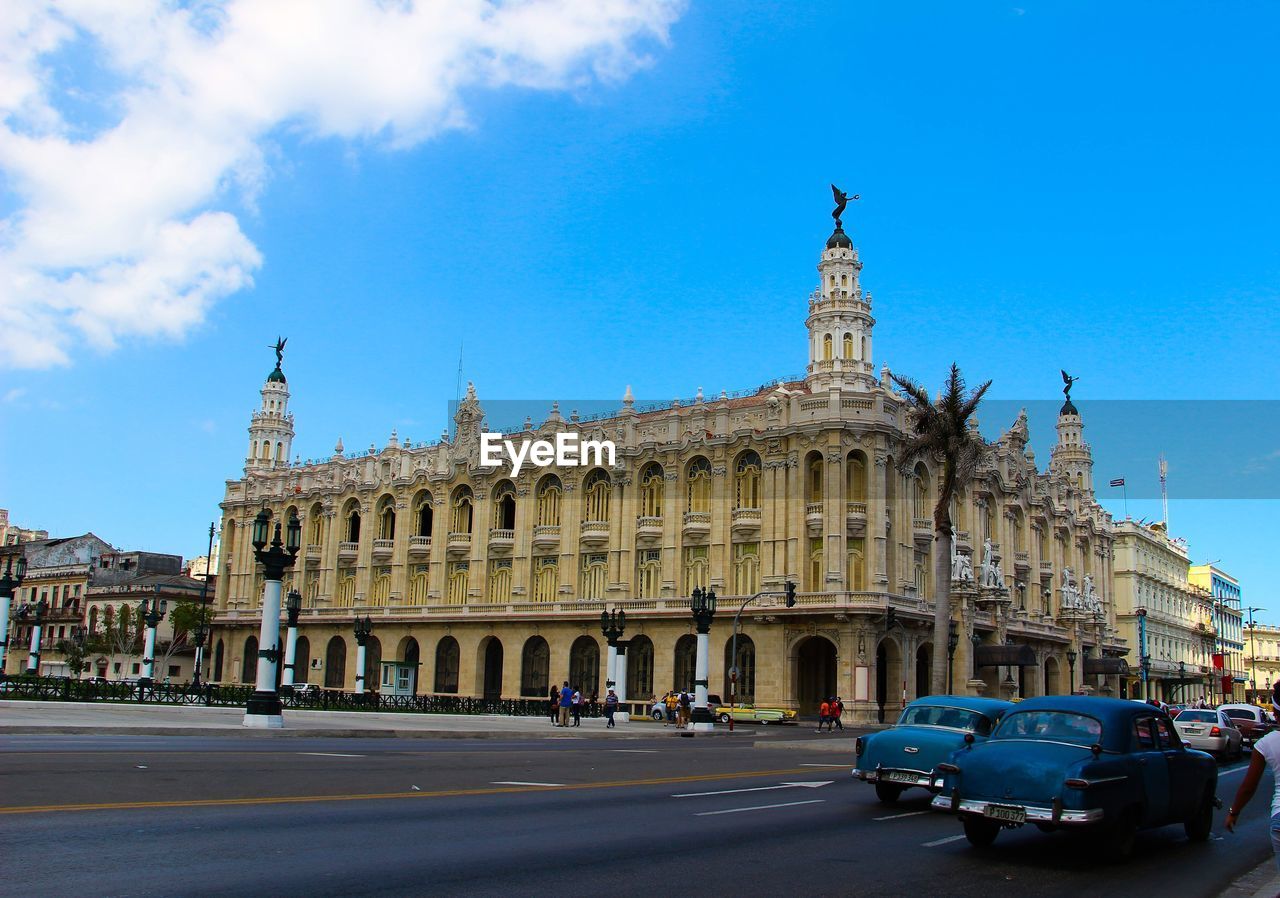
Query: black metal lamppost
[
  {"x": 953, "y": 642},
  {"x": 703, "y": 605},
  {"x": 292, "y": 608},
  {"x": 1182, "y": 680},
  {"x": 1071, "y": 666},
  {"x": 363, "y": 628},
  {"x": 1144, "y": 661},
  {"x": 789, "y": 593},
  {"x": 151, "y": 615},
  {"x": 10, "y": 580},
  {"x": 612, "y": 625},
  {"x": 264, "y": 708},
  {"x": 202, "y": 629}
]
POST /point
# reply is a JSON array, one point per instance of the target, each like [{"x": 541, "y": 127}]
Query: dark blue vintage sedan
[
  {"x": 929, "y": 731},
  {"x": 1108, "y": 765}
]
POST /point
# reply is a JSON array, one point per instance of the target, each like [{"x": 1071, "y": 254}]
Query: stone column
[
  {"x": 621, "y": 688},
  {"x": 264, "y": 714}
]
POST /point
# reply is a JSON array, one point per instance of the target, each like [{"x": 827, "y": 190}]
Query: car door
[
  {"x": 1186, "y": 773},
  {"x": 1153, "y": 767},
  {"x": 1230, "y": 727}
]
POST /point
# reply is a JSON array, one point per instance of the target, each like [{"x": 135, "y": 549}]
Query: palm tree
[{"x": 940, "y": 429}]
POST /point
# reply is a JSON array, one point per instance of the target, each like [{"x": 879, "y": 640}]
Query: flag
[{"x": 1119, "y": 481}]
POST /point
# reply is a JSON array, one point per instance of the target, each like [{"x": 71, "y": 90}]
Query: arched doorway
[
  {"x": 686, "y": 663},
  {"x": 490, "y": 657},
  {"x": 301, "y": 660},
  {"x": 746, "y": 664},
  {"x": 924, "y": 670},
  {"x": 584, "y": 667},
  {"x": 535, "y": 668},
  {"x": 1052, "y": 676},
  {"x": 640, "y": 668},
  {"x": 218, "y": 653},
  {"x": 447, "y": 657},
  {"x": 372, "y": 664},
  {"x": 815, "y": 672},
  {"x": 335, "y": 664},
  {"x": 249, "y": 662},
  {"x": 888, "y": 678},
  {"x": 412, "y": 657}
]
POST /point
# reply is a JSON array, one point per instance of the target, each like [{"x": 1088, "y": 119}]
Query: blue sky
[{"x": 1044, "y": 186}]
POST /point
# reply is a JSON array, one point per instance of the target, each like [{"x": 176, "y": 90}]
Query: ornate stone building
[{"x": 493, "y": 585}]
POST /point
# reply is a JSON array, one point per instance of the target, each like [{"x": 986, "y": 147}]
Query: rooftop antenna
[
  {"x": 1164, "y": 490},
  {"x": 457, "y": 387}
]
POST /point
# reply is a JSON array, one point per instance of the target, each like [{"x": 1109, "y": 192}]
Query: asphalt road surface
[{"x": 158, "y": 815}]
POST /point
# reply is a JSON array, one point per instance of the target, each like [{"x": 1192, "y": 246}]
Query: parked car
[
  {"x": 1251, "y": 720},
  {"x": 658, "y": 711},
  {"x": 749, "y": 713},
  {"x": 1210, "y": 730},
  {"x": 928, "y": 732},
  {"x": 306, "y": 688},
  {"x": 1080, "y": 762}
]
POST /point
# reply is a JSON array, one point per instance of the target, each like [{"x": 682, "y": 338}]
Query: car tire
[
  {"x": 888, "y": 793},
  {"x": 656, "y": 715},
  {"x": 1118, "y": 838},
  {"x": 980, "y": 832},
  {"x": 725, "y": 718},
  {"x": 1200, "y": 826}
]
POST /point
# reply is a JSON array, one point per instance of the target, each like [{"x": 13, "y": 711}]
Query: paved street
[{"x": 627, "y": 813}]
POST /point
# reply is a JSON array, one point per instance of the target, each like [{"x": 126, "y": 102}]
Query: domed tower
[
  {"x": 840, "y": 319},
  {"x": 1072, "y": 456},
  {"x": 271, "y": 430}
]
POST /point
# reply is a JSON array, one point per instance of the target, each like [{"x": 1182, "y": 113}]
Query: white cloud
[{"x": 127, "y": 127}]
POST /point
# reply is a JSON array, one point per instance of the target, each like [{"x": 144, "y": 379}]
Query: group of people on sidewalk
[
  {"x": 829, "y": 714},
  {"x": 678, "y": 707},
  {"x": 566, "y": 705}
]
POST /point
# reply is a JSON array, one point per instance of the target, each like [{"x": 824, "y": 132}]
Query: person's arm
[{"x": 1248, "y": 786}]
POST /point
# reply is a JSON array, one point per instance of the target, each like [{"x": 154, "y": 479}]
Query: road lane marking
[
  {"x": 755, "y": 789},
  {"x": 1222, "y": 773},
  {"x": 636, "y": 751},
  {"x": 328, "y": 754},
  {"x": 936, "y": 842},
  {"x": 519, "y": 783},
  {"x": 900, "y": 816},
  {"x": 824, "y": 765},
  {"x": 760, "y": 807},
  {"x": 384, "y": 796}
]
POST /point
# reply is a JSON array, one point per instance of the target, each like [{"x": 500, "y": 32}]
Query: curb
[{"x": 1260, "y": 882}]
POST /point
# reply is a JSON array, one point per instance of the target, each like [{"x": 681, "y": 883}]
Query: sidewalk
[{"x": 1260, "y": 882}]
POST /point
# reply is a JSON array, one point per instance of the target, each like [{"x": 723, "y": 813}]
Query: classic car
[
  {"x": 749, "y": 713},
  {"x": 1251, "y": 720},
  {"x": 928, "y": 732},
  {"x": 1102, "y": 764}
]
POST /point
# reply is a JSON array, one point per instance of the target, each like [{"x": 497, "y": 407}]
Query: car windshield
[
  {"x": 1061, "y": 726},
  {"x": 1239, "y": 713},
  {"x": 953, "y": 718},
  {"x": 1198, "y": 717}
]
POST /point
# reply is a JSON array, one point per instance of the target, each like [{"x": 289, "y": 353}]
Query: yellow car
[{"x": 749, "y": 713}]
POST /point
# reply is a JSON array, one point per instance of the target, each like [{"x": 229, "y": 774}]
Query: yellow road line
[{"x": 383, "y": 796}]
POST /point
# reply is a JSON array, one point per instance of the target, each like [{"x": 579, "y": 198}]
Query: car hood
[
  {"x": 893, "y": 748},
  {"x": 1022, "y": 770}
]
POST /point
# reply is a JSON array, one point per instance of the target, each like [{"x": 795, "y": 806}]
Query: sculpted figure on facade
[{"x": 961, "y": 567}]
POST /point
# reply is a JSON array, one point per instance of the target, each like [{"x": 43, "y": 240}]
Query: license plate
[
  {"x": 1194, "y": 731},
  {"x": 1007, "y": 813},
  {"x": 898, "y": 776}
]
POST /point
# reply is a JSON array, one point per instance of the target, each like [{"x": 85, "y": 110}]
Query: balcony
[
  {"x": 545, "y": 535},
  {"x": 501, "y": 539},
  {"x": 1022, "y": 561},
  {"x": 922, "y": 530},
  {"x": 459, "y": 542},
  {"x": 962, "y": 540},
  {"x": 855, "y": 517},
  {"x": 594, "y": 533},
  {"x": 648, "y": 527},
  {"x": 745, "y": 520},
  {"x": 419, "y": 546},
  {"x": 347, "y": 551},
  {"x": 697, "y": 523},
  {"x": 382, "y": 549},
  {"x": 813, "y": 517},
  {"x": 313, "y": 552},
  {"x": 1046, "y": 567}
]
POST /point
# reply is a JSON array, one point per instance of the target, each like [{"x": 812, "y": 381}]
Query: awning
[
  {"x": 1005, "y": 656},
  {"x": 1105, "y": 666}
]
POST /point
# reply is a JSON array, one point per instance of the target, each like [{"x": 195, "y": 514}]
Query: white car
[{"x": 1210, "y": 730}]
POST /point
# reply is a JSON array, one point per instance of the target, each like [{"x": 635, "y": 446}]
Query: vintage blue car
[
  {"x": 1102, "y": 764},
  {"x": 929, "y": 731}
]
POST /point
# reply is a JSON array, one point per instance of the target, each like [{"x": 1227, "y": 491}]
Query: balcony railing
[
  {"x": 648, "y": 527},
  {"x": 347, "y": 551},
  {"x": 419, "y": 546},
  {"x": 745, "y": 519},
  {"x": 382, "y": 548},
  {"x": 313, "y": 552},
  {"x": 697, "y": 523},
  {"x": 594, "y": 532},
  {"x": 501, "y": 538},
  {"x": 546, "y": 535},
  {"x": 459, "y": 541}
]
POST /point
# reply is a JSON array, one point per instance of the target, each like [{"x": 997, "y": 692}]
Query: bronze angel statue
[
  {"x": 1068, "y": 380},
  {"x": 279, "y": 348},
  {"x": 842, "y": 200}
]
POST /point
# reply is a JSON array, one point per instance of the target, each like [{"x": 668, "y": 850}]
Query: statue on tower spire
[
  {"x": 1069, "y": 381},
  {"x": 279, "y": 348},
  {"x": 842, "y": 200}
]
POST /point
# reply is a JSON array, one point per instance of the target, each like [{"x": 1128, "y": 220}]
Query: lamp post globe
[{"x": 264, "y": 709}]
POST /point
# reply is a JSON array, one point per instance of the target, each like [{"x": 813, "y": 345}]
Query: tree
[
  {"x": 184, "y": 617},
  {"x": 940, "y": 429},
  {"x": 74, "y": 651}
]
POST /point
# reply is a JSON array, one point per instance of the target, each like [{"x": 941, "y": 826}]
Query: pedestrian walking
[
  {"x": 610, "y": 706},
  {"x": 672, "y": 702},
  {"x": 824, "y": 714},
  {"x": 566, "y": 702},
  {"x": 686, "y": 710},
  {"x": 577, "y": 708},
  {"x": 836, "y": 711},
  {"x": 1266, "y": 753},
  {"x": 555, "y": 705}
]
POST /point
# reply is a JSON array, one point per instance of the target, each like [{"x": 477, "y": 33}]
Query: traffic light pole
[{"x": 790, "y": 593}]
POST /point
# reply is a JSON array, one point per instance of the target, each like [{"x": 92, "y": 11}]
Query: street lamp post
[
  {"x": 201, "y": 629},
  {"x": 1253, "y": 658},
  {"x": 1144, "y": 662},
  {"x": 10, "y": 580},
  {"x": 612, "y": 625},
  {"x": 1071, "y": 666},
  {"x": 364, "y": 627},
  {"x": 151, "y": 616},
  {"x": 33, "y": 652},
  {"x": 264, "y": 708},
  {"x": 953, "y": 642},
  {"x": 789, "y": 591},
  {"x": 703, "y": 605},
  {"x": 1182, "y": 682},
  {"x": 293, "y": 607}
]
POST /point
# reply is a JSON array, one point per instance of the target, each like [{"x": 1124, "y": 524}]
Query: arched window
[
  {"x": 279, "y": 451},
  {"x": 857, "y": 567},
  {"x": 335, "y": 664},
  {"x": 815, "y": 583},
  {"x": 686, "y": 661},
  {"x": 447, "y": 656},
  {"x": 249, "y": 662},
  {"x": 596, "y": 496},
  {"x": 459, "y": 573},
  {"x": 219, "y": 655},
  {"x": 650, "y": 573},
  {"x": 746, "y": 569},
  {"x": 920, "y": 493},
  {"x": 848, "y": 346},
  {"x": 315, "y": 525},
  {"x": 546, "y": 579},
  {"x": 696, "y": 567},
  {"x": 595, "y": 573},
  {"x": 813, "y": 469},
  {"x": 549, "y": 492},
  {"x": 424, "y": 514},
  {"x": 535, "y": 668},
  {"x": 500, "y": 580},
  {"x": 699, "y": 485},
  {"x": 504, "y": 506},
  {"x": 353, "y": 523},
  {"x": 381, "y": 591},
  {"x": 372, "y": 663},
  {"x": 826, "y": 347},
  {"x": 387, "y": 519},
  {"x": 301, "y": 660},
  {"x": 584, "y": 666},
  {"x": 746, "y": 486},
  {"x": 419, "y": 584},
  {"x": 855, "y": 473},
  {"x": 266, "y": 450},
  {"x": 93, "y": 619},
  {"x": 462, "y": 510},
  {"x": 746, "y": 664},
  {"x": 640, "y": 669},
  {"x": 651, "y": 490}
]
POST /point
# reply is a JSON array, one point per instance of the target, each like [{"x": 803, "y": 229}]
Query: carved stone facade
[{"x": 798, "y": 480}]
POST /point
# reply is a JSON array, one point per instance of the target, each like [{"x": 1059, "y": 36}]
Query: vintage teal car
[
  {"x": 1080, "y": 762},
  {"x": 929, "y": 731}
]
